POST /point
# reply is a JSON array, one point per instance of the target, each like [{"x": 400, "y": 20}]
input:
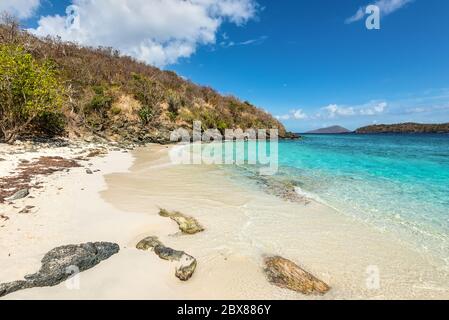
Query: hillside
[
  {"x": 405, "y": 128},
  {"x": 116, "y": 97},
  {"x": 330, "y": 130}
]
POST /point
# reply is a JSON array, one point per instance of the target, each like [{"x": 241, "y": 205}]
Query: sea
[{"x": 398, "y": 183}]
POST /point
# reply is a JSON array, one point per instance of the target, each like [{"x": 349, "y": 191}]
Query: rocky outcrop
[
  {"x": 186, "y": 264},
  {"x": 280, "y": 186},
  {"x": 187, "y": 225},
  {"x": 286, "y": 274},
  {"x": 59, "y": 263}
]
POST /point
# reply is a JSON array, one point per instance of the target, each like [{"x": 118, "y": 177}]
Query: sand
[{"x": 121, "y": 203}]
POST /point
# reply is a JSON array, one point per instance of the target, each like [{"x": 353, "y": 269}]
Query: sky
[{"x": 310, "y": 63}]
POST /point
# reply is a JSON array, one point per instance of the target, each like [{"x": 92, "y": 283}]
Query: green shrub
[
  {"x": 174, "y": 104},
  {"x": 146, "y": 114},
  {"x": 28, "y": 91},
  {"x": 50, "y": 123},
  {"x": 116, "y": 111},
  {"x": 101, "y": 101},
  {"x": 150, "y": 94}
]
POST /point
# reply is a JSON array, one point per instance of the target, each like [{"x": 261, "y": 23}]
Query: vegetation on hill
[
  {"x": 29, "y": 93},
  {"x": 405, "y": 128},
  {"x": 81, "y": 91}
]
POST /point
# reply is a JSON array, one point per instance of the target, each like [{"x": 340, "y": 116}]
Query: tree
[{"x": 28, "y": 90}]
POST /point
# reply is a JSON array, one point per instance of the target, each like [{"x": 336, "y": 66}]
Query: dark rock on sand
[
  {"x": 286, "y": 274},
  {"x": 26, "y": 210},
  {"x": 88, "y": 171},
  {"x": 168, "y": 254},
  {"x": 19, "y": 195},
  {"x": 186, "y": 264},
  {"x": 187, "y": 225},
  {"x": 57, "y": 265}
]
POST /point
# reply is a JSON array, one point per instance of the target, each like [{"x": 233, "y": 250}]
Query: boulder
[
  {"x": 187, "y": 225},
  {"x": 286, "y": 274},
  {"x": 19, "y": 195},
  {"x": 186, "y": 264},
  {"x": 168, "y": 254},
  {"x": 148, "y": 243},
  {"x": 186, "y": 267},
  {"x": 57, "y": 265}
]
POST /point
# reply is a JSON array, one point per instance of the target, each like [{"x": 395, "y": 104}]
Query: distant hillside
[
  {"x": 405, "y": 128},
  {"x": 330, "y": 130},
  {"x": 119, "y": 98}
]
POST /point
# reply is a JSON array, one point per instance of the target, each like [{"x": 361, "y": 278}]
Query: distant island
[
  {"x": 330, "y": 130},
  {"x": 405, "y": 128}
]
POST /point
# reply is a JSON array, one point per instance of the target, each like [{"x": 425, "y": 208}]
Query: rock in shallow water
[
  {"x": 59, "y": 263},
  {"x": 186, "y": 263},
  {"x": 286, "y": 274},
  {"x": 186, "y": 224}
]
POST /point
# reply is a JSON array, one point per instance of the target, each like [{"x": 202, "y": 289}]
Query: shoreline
[{"x": 121, "y": 202}]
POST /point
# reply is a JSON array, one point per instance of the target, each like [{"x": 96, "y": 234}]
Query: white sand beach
[{"x": 120, "y": 203}]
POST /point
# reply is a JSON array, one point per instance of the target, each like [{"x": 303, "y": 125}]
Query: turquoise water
[{"x": 398, "y": 183}]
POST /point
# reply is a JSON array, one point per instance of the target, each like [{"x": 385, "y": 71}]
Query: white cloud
[
  {"x": 386, "y": 7},
  {"x": 357, "y": 16},
  {"x": 22, "y": 9},
  {"x": 297, "y": 114},
  {"x": 334, "y": 110},
  {"x": 256, "y": 41},
  {"x": 374, "y": 109},
  {"x": 283, "y": 117},
  {"x": 157, "y": 32},
  {"x": 369, "y": 109}
]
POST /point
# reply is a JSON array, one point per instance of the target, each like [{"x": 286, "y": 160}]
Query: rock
[
  {"x": 168, "y": 253},
  {"x": 96, "y": 153},
  {"x": 186, "y": 264},
  {"x": 186, "y": 224},
  {"x": 148, "y": 243},
  {"x": 26, "y": 210},
  {"x": 286, "y": 274},
  {"x": 19, "y": 195},
  {"x": 88, "y": 171},
  {"x": 58, "y": 264},
  {"x": 186, "y": 267}
]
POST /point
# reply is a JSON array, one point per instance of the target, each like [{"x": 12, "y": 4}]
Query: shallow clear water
[{"x": 398, "y": 183}]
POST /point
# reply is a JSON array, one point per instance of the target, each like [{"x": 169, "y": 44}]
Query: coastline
[{"x": 121, "y": 202}]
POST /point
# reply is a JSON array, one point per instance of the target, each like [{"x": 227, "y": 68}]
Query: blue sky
[{"x": 299, "y": 60}]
